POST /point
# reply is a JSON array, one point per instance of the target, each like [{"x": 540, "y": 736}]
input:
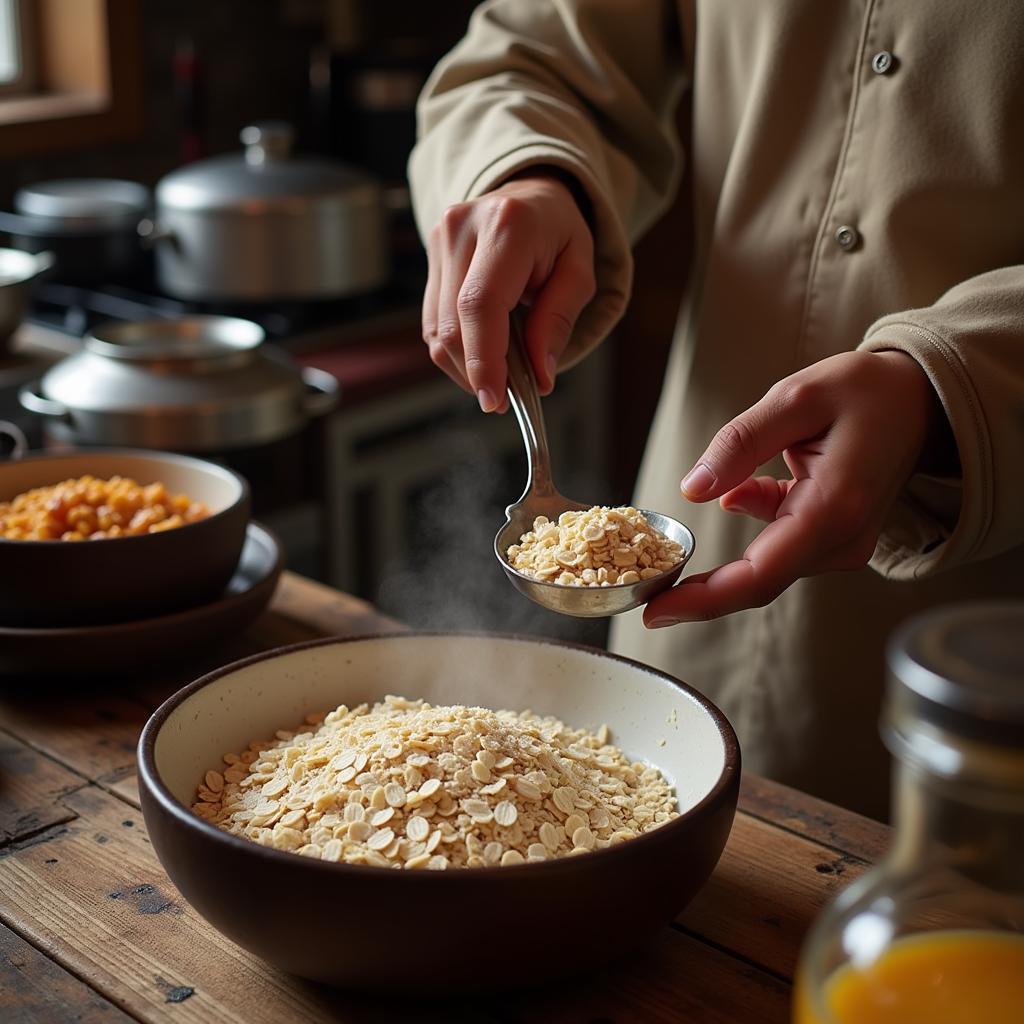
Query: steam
[{"x": 455, "y": 583}]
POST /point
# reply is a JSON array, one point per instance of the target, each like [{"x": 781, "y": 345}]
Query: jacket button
[
  {"x": 882, "y": 62},
  {"x": 847, "y": 237}
]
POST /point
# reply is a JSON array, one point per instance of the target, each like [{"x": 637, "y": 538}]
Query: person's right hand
[{"x": 526, "y": 241}]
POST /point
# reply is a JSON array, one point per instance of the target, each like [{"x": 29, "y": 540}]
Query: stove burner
[{"x": 75, "y": 310}]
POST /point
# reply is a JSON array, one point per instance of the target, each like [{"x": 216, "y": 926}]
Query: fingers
[
  {"x": 457, "y": 256},
  {"x": 759, "y": 496},
  {"x": 554, "y": 312},
  {"x": 783, "y": 552},
  {"x": 428, "y": 313},
  {"x": 493, "y": 285},
  {"x": 431, "y": 292},
  {"x": 789, "y": 413},
  {"x": 526, "y": 241}
]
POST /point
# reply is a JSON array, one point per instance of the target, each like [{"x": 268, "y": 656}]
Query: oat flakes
[
  {"x": 407, "y": 784},
  {"x": 599, "y": 547}
]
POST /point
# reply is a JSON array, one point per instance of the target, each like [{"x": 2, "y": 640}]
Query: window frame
[
  {"x": 88, "y": 91},
  {"x": 24, "y": 26}
]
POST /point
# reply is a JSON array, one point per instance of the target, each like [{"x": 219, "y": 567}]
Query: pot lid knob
[{"x": 267, "y": 141}]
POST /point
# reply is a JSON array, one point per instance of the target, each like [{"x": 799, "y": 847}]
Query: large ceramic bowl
[
  {"x": 440, "y": 931},
  {"x": 49, "y": 583}
]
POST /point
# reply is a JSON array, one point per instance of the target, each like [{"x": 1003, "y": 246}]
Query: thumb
[{"x": 784, "y": 417}]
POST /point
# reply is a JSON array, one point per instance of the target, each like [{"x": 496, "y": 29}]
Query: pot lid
[
  {"x": 97, "y": 201},
  {"x": 190, "y": 384},
  {"x": 264, "y": 174},
  {"x": 184, "y": 339}
]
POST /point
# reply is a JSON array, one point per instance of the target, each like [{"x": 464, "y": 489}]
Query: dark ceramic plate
[
  {"x": 346, "y": 923},
  {"x": 89, "y": 649}
]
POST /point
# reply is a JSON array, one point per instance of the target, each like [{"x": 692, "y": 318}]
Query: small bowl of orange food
[{"x": 105, "y": 535}]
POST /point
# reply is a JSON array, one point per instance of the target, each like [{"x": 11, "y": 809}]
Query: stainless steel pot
[
  {"x": 264, "y": 226},
  {"x": 198, "y": 384},
  {"x": 89, "y": 224},
  {"x": 17, "y": 272}
]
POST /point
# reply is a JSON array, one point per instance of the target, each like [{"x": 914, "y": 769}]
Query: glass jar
[{"x": 935, "y": 933}]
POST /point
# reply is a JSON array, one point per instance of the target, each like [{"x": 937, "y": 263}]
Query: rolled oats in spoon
[{"x": 598, "y": 547}]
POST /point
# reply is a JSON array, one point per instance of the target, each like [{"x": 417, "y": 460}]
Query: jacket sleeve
[
  {"x": 971, "y": 345},
  {"x": 589, "y": 86}
]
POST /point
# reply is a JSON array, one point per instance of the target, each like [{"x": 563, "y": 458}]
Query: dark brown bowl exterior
[
  {"x": 436, "y": 932},
  {"x": 117, "y": 649},
  {"x": 59, "y": 583}
]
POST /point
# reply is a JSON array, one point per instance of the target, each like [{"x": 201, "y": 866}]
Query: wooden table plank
[
  {"x": 94, "y": 896},
  {"x": 677, "y": 980},
  {"x": 33, "y": 989},
  {"x": 32, "y": 791},
  {"x": 765, "y": 892},
  {"x": 93, "y": 734},
  {"x": 326, "y": 610},
  {"x": 823, "y": 822}
]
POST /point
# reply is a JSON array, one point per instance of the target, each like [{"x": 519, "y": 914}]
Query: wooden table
[{"x": 92, "y": 930}]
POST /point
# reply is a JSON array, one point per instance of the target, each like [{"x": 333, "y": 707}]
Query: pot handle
[
  {"x": 19, "y": 440},
  {"x": 21, "y": 224},
  {"x": 150, "y": 233},
  {"x": 44, "y": 261},
  {"x": 322, "y": 391},
  {"x": 30, "y": 399}
]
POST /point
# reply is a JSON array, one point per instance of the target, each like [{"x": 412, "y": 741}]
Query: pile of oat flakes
[
  {"x": 407, "y": 784},
  {"x": 599, "y": 547}
]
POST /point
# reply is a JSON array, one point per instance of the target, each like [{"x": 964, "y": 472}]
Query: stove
[{"x": 74, "y": 311}]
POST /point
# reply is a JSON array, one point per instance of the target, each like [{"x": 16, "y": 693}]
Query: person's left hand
[{"x": 851, "y": 429}]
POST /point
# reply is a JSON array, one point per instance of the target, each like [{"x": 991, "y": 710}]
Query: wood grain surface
[{"x": 92, "y": 930}]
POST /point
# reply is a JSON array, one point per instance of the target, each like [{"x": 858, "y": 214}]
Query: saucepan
[
  {"x": 263, "y": 225},
  {"x": 90, "y": 225},
  {"x": 195, "y": 384},
  {"x": 17, "y": 272}
]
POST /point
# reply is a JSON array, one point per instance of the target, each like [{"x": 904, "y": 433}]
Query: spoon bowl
[
  {"x": 590, "y": 602},
  {"x": 542, "y": 499}
]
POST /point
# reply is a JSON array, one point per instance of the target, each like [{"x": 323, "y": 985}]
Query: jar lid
[
  {"x": 264, "y": 175},
  {"x": 960, "y": 668}
]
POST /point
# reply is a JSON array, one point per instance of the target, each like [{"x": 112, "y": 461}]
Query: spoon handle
[{"x": 525, "y": 401}]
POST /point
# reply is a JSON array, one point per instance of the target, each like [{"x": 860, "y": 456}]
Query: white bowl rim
[
  {"x": 190, "y": 461},
  {"x": 150, "y": 777}
]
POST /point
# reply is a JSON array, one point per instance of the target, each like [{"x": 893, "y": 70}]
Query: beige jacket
[{"x": 800, "y": 126}]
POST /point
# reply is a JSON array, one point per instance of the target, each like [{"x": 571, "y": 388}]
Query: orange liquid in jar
[{"x": 954, "y": 977}]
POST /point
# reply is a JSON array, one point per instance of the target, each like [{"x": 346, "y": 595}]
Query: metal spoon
[{"x": 542, "y": 499}]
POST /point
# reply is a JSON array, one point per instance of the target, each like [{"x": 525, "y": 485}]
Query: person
[{"x": 853, "y": 320}]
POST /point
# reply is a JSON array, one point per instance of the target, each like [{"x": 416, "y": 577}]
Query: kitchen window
[
  {"x": 70, "y": 74},
  {"x": 17, "y": 64}
]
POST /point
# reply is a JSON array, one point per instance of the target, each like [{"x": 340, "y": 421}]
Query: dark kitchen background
[{"x": 396, "y": 494}]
